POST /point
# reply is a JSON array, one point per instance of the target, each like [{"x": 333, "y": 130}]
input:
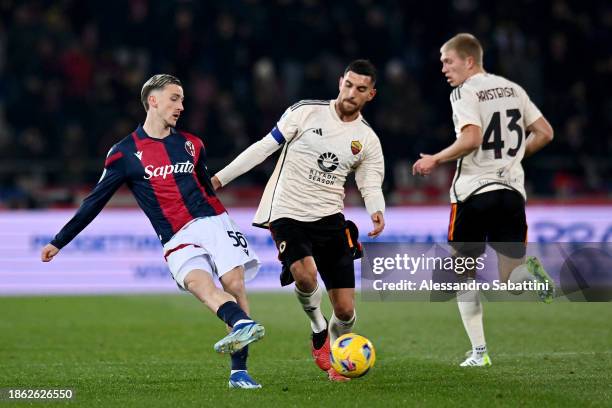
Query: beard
[{"x": 347, "y": 108}]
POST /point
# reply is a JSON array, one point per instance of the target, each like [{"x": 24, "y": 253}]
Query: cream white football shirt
[
  {"x": 503, "y": 110},
  {"x": 319, "y": 151}
]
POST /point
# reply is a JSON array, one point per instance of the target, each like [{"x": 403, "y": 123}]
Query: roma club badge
[{"x": 356, "y": 146}]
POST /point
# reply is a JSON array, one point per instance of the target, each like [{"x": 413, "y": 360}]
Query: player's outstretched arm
[
  {"x": 249, "y": 158},
  {"x": 112, "y": 178},
  {"x": 48, "y": 252},
  {"x": 469, "y": 140},
  {"x": 541, "y": 134},
  {"x": 285, "y": 130}
]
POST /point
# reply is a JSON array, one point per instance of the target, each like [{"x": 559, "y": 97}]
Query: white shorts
[{"x": 214, "y": 244}]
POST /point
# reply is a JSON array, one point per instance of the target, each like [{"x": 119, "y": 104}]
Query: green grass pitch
[{"x": 149, "y": 351}]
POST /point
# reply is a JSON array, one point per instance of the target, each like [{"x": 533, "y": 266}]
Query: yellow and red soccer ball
[{"x": 352, "y": 355}]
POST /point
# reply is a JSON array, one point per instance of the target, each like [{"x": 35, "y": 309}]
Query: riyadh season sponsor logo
[{"x": 328, "y": 162}]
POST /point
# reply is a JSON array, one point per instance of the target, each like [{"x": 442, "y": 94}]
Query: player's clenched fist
[
  {"x": 424, "y": 165},
  {"x": 48, "y": 252}
]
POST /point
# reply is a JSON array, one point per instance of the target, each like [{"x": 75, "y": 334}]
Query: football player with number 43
[{"x": 492, "y": 118}]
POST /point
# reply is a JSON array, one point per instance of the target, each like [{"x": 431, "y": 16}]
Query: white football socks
[
  {"x": 311, "y": 303},
  {"x": 479, "y": 351},
  {"x": 470, "y": 309},
  {"x": 339, "y": 327}
]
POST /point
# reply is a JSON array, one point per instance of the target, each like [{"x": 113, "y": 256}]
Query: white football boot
[{"x": 475, "y": 360}]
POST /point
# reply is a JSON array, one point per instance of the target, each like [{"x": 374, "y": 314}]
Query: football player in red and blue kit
[{"x": 166, "y": 171}]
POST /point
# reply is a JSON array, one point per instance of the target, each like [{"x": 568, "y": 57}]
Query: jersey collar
[
  {"x": 140, "y": 132},
  {"x": 477, "y": 75}
]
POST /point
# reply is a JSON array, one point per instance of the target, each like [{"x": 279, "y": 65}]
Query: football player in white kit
[
  {"x": 323, "y": 141},
  {"x": 493, "y": 117}
]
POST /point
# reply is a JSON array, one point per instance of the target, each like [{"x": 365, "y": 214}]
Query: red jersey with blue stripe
[{"x": 168, "y": 178}]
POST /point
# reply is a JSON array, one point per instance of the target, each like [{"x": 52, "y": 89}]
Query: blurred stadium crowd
[{"x": 71, "y": 73}]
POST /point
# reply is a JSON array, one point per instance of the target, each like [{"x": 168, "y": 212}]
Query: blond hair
[
  {"x": 466, "y": 45},
  {"x": 158, "y": 81}
]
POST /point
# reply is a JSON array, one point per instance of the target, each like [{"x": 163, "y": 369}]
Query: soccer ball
[{"x": 352, "y": 355}]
